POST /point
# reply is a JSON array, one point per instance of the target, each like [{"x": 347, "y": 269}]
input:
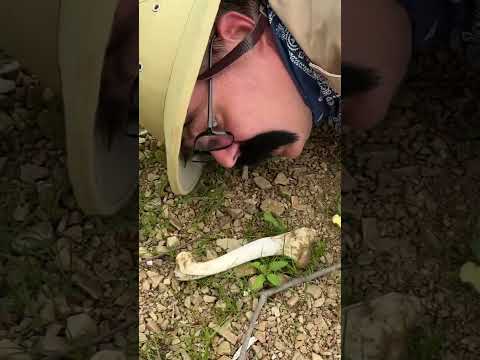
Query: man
[{"x": 273, "y": 73}]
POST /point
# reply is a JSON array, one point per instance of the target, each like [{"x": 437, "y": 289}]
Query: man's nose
[{"x": 227, "y": 157}]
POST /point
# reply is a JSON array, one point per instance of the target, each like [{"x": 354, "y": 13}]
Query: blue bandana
[{"x": 317, "y": 94}]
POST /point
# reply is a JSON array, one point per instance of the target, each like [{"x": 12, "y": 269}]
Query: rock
[
  {"x": 224, "y": 348},
  {"x": 88, "y": 284},
  {"x": 348, "y": 182},
  {"x": 81, "y": 326},
  {"x": 9, "y": 69},
  {"x": 209, "y": 299},
  {"x": 297, "y": 205},
  {"x": 7, "y": 86},
  {"x": 262, "y": 183},
  {"x": 172, "y": 242},
  {"x": 161, "y": 250},
  {"x": 314, "y": 290},
  {"x": 298, "y": 356},
  {"x": 245, "y": 172},
  {"x": 370, "y": 232},
  {"x": 74, "y": 232},
  {"x": 3, "y": 161},
  {"x": 235, "y": 213},
  {"x": 293, "y": 301},
  {"x": 273, "y": 206},
  {"x": 244, "y": 270},
  {"x": 316, "y": 357},
  {"x": 275, "y": 311},
  {"x": 30, "y": 173},
  {"x": 6, "y": 122},
  {"x": 109, "y": 355},
  {"x": 49, "y": 344},
  {"x": 281, "y": 179},
  {"x": 20, "y": 212},
  {"x": 380, "y": 328},
  {"x": 225, "y": 332},
  {"x": 142, "y": 337},
  {"x": 229, "y": 244},
  {"x": 11, "y": 351}
]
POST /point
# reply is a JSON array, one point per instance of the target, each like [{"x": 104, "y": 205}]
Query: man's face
[{"x": 256, "y": 100}]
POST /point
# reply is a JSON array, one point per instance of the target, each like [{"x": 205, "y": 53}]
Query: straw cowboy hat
[
  {"x": 63, "y": 42},
  {"x": 173, "y": 40}
]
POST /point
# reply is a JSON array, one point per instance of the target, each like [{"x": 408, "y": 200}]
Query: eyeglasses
[
  {"x": 212, "y": 139},
  {"x": 215, "y": 139}
]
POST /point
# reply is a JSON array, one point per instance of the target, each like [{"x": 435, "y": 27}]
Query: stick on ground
[{"x": 264, "y": 295}]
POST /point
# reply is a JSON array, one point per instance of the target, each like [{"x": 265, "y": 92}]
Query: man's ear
[{"x": 232, "y": 27}]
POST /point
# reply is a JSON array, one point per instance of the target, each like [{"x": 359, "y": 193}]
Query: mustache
[{"x": 262, "y": 146}]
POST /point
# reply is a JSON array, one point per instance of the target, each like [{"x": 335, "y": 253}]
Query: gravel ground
[
  {"x": 411, "y": 196},
  {"x": 65, "y": 278},
  {"x": 206, "y": 319}
]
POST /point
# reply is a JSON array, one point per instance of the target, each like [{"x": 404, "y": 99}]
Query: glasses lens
[{"x": 213, "y": 142}]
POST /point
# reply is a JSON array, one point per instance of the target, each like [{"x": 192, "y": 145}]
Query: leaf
[
  {"x": 260, "y": 267},
  {"x": 275, "y": 266},
  {"x": 258, "y": 283},
  {"x": 274, "y": 279},
  {"x": 275, "y": 223}
]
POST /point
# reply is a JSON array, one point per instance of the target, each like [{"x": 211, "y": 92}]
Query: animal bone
[{"x": 295, "y": 245}]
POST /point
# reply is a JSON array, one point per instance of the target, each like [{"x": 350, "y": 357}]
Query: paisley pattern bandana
[{"x": 317, "y": 94}]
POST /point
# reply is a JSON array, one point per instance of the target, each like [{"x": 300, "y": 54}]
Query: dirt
[
  {"x": 177, "y": 318},
  {"x": 411, "y": 202}
]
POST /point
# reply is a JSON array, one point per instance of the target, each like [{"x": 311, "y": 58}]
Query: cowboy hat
[
  {"x": 64, "y": 42},
  {"x": 173, "y": 40}
]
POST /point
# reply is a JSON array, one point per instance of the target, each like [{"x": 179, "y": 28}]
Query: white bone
[{"x": 295, "y": 244}]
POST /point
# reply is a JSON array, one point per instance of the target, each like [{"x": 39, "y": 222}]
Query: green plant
[
  {"x": 268, "y": 273},
  {"x": 274, "y": 226}
]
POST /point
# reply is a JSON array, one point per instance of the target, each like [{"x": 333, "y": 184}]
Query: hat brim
[
  {"x": 188, "y": 59},
  {"x": 103, "y": 178}
]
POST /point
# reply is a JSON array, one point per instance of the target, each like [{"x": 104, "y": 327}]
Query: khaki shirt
[{"x": 316, "y": 26}]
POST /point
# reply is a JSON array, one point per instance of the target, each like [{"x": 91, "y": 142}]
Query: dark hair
[{"x": 358, "y": 79}]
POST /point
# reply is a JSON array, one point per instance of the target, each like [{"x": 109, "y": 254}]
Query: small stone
[
  {"x": 224, "y": 348},
  {"x": 235, "y": 213},
  {"x": 293, "y": 301},
  {"x": 11, "y": 351},
  {"x": 275, "y": 311},
  {"x": 273, "y": 206},
  {"x": 88, "y": 284},
  {"x": 245, "y": 173},
  {"x": 142, "y": 337},
  {"x": 109, "y": 355},
  {"x": 209, "y": 299},
  {"x": 152, "y": 326},
  {"x": 315, "y": 291},
  {"x": 316, "y": 357},
  {"x": 74, "y": 232},
  {"x": 7, "y": 86},
  {"x": 228, "y": 244},
  {"x": 53, "y": 344},
  {"x": 281, "y": 179},
  {"x": 80, "y": 326},
  {"x": 161, "y": 250},
  {"x": 6, "y": 122},
  {"x": 225, "y": 332},
  {"x": 3, "y": 161},
  {"x": 370, "y": 232},
  {"x": 244, "y": 270},
  {"x": 319, "y": 302},
  {"x": 298, "y": 356},
  {"x": 172, "y": 242},
  {"x": 262, "y": 183},
  {"x": 30, "y": 173},
  {"x": 9, "y": 69},
  {"x": 20, "y": 213},
  {"x": 296, "y": 204}
]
